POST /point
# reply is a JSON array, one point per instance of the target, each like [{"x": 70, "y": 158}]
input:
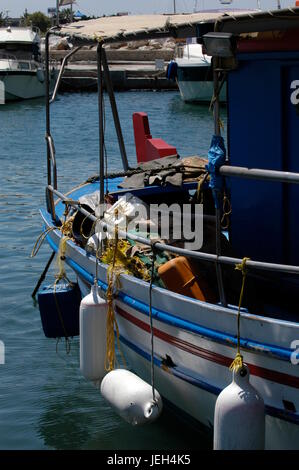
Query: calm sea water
[{"x": 44, "y": 401}]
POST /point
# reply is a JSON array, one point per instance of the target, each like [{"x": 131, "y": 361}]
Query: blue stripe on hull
[
  {"x": 203, "y": 385},
  {"x": 217, "y": 336}
]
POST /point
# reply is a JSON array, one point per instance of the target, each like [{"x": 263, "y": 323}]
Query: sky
[{"x": 15, "y": 8}]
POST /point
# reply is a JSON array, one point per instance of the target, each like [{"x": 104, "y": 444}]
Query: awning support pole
[
  {"x": 62, "y": 67},
  {"x": 101, "y": 121},
  {"x": 47, "y": 85},
  {"x": 109, "y": 88},
  {"x": 51, "y": 161},
  {"x": 218, "y": 212}
]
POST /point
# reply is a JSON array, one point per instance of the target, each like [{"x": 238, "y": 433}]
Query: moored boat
[
  {"x": 195, "y": 75},
  {"x": 22, "y": 72},
  {"x": 191, "y": 342}
]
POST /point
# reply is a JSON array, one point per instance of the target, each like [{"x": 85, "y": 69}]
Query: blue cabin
[
  {"x": 263, "y": 127},
  {"x": 260, "y": 61}
]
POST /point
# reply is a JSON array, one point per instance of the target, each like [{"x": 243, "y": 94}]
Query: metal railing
[
  {"x": 15, "y": 64},
  {"x": 64, "y": 63},
  {"x": 225, "y": 170},
  {"x": 260, "y": 265}
]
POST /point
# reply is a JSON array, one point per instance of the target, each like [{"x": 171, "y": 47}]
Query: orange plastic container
[{"x": 178, "y": 276}]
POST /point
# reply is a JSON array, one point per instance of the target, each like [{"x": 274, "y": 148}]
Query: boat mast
[
  {"x": 101, "y": 120},
  {"x": 57, "y": 12},
  {"x": 174, "y": 7}
]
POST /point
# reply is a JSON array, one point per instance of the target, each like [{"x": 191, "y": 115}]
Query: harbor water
[{"x": 45, "y": 403}]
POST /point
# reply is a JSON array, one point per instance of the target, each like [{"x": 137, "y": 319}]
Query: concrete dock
[{"x": 137, "y": 70}]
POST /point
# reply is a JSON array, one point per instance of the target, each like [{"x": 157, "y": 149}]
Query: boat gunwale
[{"x": 279, "y": 352}]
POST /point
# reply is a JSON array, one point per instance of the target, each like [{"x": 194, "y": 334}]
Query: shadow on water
[
  {"x": 178, "y": 106},
  {"x": 23, "y": 105},
  {"x": 85, "y": 421}
]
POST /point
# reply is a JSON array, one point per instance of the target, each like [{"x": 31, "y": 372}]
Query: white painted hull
[
  {"x": 188, "y": 331},
  {"x": 201, "y": 91},
  {"x": 23, "y": 86},
  {"x": 195, "y": 76}
]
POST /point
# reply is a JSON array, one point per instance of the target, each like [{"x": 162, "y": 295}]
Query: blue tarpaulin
[
  {"x": 216, "y": 157},
  {"x": 78, "y": 14}
]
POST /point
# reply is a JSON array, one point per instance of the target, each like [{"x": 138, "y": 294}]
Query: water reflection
[{"x": 82, "y": 420}]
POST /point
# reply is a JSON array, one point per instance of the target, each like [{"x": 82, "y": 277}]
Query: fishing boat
[
  {"x": 183, "y": 333},
  {"x": 22, "y": 72}
]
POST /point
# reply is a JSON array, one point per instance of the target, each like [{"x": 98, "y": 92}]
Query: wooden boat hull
[{"x": 194, "y": 344}]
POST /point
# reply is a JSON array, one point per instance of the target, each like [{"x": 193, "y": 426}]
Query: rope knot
[
  {"x": 237, "y": 363},
  {"x": 242, "y": 266}
]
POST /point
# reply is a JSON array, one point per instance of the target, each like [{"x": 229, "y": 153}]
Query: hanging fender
[{"x": 131, "y": 397}]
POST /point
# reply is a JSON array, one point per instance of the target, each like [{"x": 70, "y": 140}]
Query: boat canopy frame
[
  {"x": 109, "y": 30},
  {"x": 249, "y": 22}
]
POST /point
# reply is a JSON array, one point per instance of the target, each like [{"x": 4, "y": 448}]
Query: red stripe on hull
[{"x": 268, "y": 374}]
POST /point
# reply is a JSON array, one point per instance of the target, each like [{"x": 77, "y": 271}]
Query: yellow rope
[
  {"x": 61, "y": 259},
  {"x": 40, "y": 239},
  {"x": 238, "y": 361},
  {"x": 226, "y": 212},
  {"x": 66, "y": 229},
  {"x": 199, "y": 191},
  {"x": 111, "y": 324}
]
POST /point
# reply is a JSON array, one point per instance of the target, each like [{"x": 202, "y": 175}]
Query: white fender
[
  {"x": 93, "y": 316},
  {"x": 40, "y": 75},
  {"x": 131, "y": 397},
  {"x": 239, "y": 421}
]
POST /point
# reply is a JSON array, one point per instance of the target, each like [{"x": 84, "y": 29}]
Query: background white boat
[
  {"x": 194, "y": 74},
  {"x": 22, "y": 74}
]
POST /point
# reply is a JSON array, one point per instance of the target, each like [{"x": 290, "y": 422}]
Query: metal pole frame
[
  {"x": 49, "y": 194},
  {"x": 57, "y": 12},
  {"x": 260, "y": 265},
  {"x": 51, "y": 159},
  {"x": 47, "y": 85},
  {"x": 64, "y": 63},
  {"x": 218, "y": 211},
  {"x": 101, "y": 122},
  {"x": 109, "y": 88}
]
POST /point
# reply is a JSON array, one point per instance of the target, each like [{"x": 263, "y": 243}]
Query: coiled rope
[{"x": 40, "y": 240}]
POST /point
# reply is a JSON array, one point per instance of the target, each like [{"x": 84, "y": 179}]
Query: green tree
[
  {"x": 65, "y": 15},
  {"x": 37, "y": 19},
  {"x": 2, "y": 18}
]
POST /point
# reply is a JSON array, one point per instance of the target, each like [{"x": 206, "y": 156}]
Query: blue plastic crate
[{"x": 60, "y": 316}]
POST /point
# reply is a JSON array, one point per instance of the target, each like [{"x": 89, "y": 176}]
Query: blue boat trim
[
  {"x": 218, "y": 336},
  {"x": 203, "y": 385}
]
